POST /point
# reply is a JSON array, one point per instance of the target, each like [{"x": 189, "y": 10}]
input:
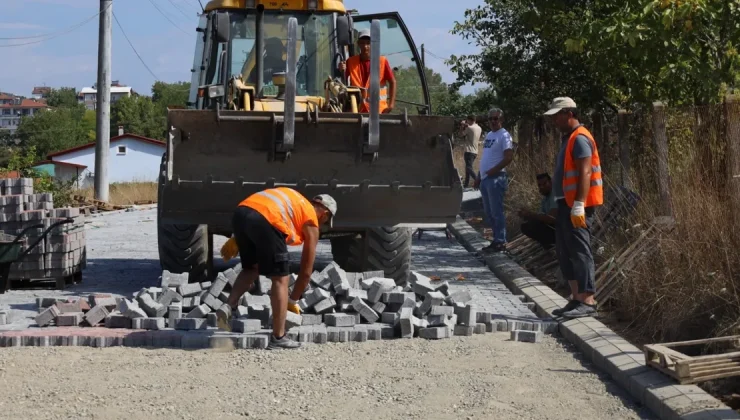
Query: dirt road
[{"x": 479, "y": 377}]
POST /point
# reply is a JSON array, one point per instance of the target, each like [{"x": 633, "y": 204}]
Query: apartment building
[
  {"x": 13, "y": 108},
  {"x": 89, "y": 95}
]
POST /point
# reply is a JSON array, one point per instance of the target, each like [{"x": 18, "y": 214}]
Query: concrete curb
[{"x": 624, "y": 362}]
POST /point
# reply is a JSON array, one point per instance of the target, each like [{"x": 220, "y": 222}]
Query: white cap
[
  {"x": 328, "y": 201},
  {"x": 558, "y": 104},
  {"x": 364, "y": 33}
]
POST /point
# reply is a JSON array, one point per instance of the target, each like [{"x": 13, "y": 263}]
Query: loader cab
[{"x": 321, "y": 45}]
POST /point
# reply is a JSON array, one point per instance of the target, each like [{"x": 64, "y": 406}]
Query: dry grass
[{"x": 123, "y": 194}]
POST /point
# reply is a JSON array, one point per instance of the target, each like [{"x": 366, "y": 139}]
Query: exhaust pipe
[{"x": 290, "y": 87}]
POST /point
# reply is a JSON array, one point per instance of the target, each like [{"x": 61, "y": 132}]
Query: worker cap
[
  {"x": 327, "y": 201},
  {"x": 364, "y": 33},
  {"x": 558, "y": 104}
]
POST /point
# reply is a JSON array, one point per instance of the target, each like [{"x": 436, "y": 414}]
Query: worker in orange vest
[
  {"x": 578, "y": 190},
  {"x": 357, "y": 69},
  {"x": 264, "y": 224}
]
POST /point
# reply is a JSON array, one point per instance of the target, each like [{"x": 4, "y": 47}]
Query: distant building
[
  {"x": 41, "y": 92},
  {"x": 132, "y": 158},
  {"x": 12, "y": 108},
  {"x": 89, "y": 95}
]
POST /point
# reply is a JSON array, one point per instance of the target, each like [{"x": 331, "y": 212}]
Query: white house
[
  {"x": 89, "y": 95},
  {"x": 131, "y": 158}
]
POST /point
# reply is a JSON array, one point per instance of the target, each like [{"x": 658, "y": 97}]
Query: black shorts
[{"x": 260, "y": 243}]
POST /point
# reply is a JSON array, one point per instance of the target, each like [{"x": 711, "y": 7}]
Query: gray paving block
[
  {"x": 354, "y": 293},
  {"x": 379, "y": 307},
  {"x": 468, "y": 316},
  {"x": 195, "y": 340},
  {"x": 212, "y": 320},
  {"x": 338, "y": 278},
  {"x": 131, "y": 309},
  {"x": 187, "y": 324},
  {"x": 364, "y": 310},
  {"x": 436, "y": 320},
  {"x": 338, "y": 334},
  {"x": 339, "y": 320},
  {"x": 324, "y": 306},
  {"x": 434, "y": 333},
  {"x": 230, "y": 275},
  {"x": 96, "y": 315},
  {"x": 168, "y": 297},
  {"x": 246, "y": 325},
  {"x": 150, "y": 306},
  {"x": 378, "y": 287},
  {"x": 442, "y": 310},
  {"x": 390, "y": 318},
  {"x": 71, "y": 319},
  {"x": 464, "y": 330},
  {"x": 292, "y": 320},
  {"x": 152, "y": 323},
  {"x": 479, "y": 328},
  {"x": 241, "y": 312},
  {"x": 312, "y": 319},
  {"x": 374, "y": 331},
  {"x": 320, "y": 334},
  {"x": 118, "y": 321},
  {"x": 173, "y": 279},
  {"x": 189, "y": 290},
  {"x": 47, "y": 316},
  {"x": 212, "y": 301},
  {"x": 199, "y": 312},
  {"x": 406, "y": 322},
  {"x": 431, "y": 299},
  {"x": 358, "y": 334},
  {"x": 254, "y": 341},
  {"x": 526, "y": 336},
  {"x": 218, "y": 285}
]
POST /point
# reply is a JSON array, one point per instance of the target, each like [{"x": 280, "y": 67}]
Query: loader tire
[
  {"x": 387, "y": 249},
  {"x": 182, "y": 248}
]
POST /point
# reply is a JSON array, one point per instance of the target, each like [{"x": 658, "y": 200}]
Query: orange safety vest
[
  {"x": 354, "y": 67},
  {"x": 595, "y": 196},
  {"x": 286, "y": 210}
]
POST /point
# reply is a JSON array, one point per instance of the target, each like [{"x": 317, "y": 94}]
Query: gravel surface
[
  {"x": 479, "y": 377},
  {"x": 483, "y": 377}
]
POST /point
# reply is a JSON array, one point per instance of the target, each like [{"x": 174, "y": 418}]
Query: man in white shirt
[{"x": 498, "y": 152}]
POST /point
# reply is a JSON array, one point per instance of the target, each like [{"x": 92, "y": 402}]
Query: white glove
[{"x": 578, "y": 215}]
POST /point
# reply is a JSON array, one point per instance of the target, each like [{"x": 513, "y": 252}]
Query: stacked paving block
[
  {"x": 336, "y": 307},
  {"x": 62, "y": 253}
]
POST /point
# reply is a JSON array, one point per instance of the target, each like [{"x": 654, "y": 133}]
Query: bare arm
[
  {"x": 392, "y": 93},
  {"x": 583, "y": 166},
  {"x": 508, "y": 157},
  {"x": 308, "y": 256}
]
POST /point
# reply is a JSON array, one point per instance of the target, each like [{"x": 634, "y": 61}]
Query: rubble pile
[{"x": 337, "y": 306}]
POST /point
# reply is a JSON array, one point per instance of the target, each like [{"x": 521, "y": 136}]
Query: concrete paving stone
[
  {"x": 389, "y": 331},
  {"x": 442, "y": 310},
  {"x": 293, "y": 320},
  {"x": 150, "y": 306},
  {"x": 117, "y": 321},
  {"x": 200, "y": 311},
  {"x": 195, "y": 340},
  {"x": 406, "y": 322},
  {"x": 526, "y": 336},
  {"x": 168, "y": 297},
  {"x": 212, "y": 301},
  {"x": 152, "y": 323},
  {"x": 96, "y": 315},
  {"x": 224, "y": 297},
  {"x": 324, "y": 306},
  {"x": 137, "y": 324},
  {"x": 431, "y": 299},
  {"x": 378, "y": 307},
  {"x": 358, "y": 334},
  {"x": 212, "y": 320},
  {"x": 320, "y": 334},
  {"x": 173, "y": 279},
  {"x": 224, "y": 341},
  {"x": 338, "y": 334},
  {"x": 246, "y": 325},
  {"x": 378, "y": 287},
  {"x": 71, "y": 319},
  {"x": 47, "y": 316},
  {"x": 356, "y": 293},
  {"x": 230, "y": 275},
  {"x": 187, "y": 324},
  {"x": 483, "y": 317},
  {"x": 205, "y": 285},
  {"x": 365, "y": 311},
  {"x": 434, "y": 333},
  {"x": 218, "y": 285},
  {"x": 167, "y": 339},
  {"x": 468, "y": 315},
  {"x": 480, "y": 328},
  {"x": 339, "y": 281},
  {"x": 189, "y": 290},
  {"x": 374, "y": 331},
  {"x": 254, "y": 341},
  {"x": 372, "y": 274},
  {"x": 464, "y": 330},
  {"x": 312, "y": 319},
  {"x": 436, "y": 320},
  {"x": 340, "y": 320}
]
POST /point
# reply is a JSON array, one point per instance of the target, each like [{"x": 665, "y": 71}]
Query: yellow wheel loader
[{"x": 270, "y": 107}]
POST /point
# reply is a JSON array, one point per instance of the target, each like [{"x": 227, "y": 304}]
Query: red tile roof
[
  {"x": 54, "y": 162},
  {"x": 117, "y": 138},
  {"x": 26, "y": 103},
  {"x": 41, "y": 90},
  {"x": 5, "y": 97}
]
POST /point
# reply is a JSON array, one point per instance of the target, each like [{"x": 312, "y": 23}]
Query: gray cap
[
  {"x": 328, "y": 201},
  {"x": 364, "y": 33}
]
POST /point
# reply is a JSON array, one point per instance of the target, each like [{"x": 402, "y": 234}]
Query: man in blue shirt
[{"x": 541, "y": 226}]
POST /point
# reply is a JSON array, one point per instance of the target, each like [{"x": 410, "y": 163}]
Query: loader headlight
[
  {"x": 215, "y": 91},
  {"x": 313, "y": 4}
]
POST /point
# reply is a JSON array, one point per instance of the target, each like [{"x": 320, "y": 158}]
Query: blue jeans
[{"x": 492, "y": 190}]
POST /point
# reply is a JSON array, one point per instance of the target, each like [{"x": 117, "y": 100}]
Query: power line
[
  {"x": 134, "y": 48},
  {"x": 49, "y": 36},
  {"x": 179, "y": 9},
  {"x": 435, "y": 55},
  {"x": 52, "y": 34},
  {"x": 168, "y": 18}
]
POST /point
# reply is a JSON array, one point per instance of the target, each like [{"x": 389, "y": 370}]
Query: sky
[{"x": 164, "y": 36}]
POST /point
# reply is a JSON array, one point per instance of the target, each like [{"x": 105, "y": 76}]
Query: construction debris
[{"x": 337, "y": 306}]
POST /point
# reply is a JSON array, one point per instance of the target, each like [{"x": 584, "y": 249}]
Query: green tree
[
  {"x": 63, "y": 97},
  {"x": 139, "y": 115},
  {"x": 53, "y": 130},
  {"x": 170, "y": 95}
]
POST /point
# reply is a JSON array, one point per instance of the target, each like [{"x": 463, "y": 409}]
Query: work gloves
[
  {"x": 578, "y": 215},
  {"x": 293, "y": 306},
  {"x": 229, "y": 250}
]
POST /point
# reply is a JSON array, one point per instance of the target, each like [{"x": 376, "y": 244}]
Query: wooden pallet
[
  {"x": 694, "y": 369},
  {"x": 52, "y": 283}
]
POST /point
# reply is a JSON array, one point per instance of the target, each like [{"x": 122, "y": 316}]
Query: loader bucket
[{"x": 215, "y": 160}]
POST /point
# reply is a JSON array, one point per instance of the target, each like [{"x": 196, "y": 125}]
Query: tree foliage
[
  {"x": 170, "y": 95},
  {"x": 63, "y": 97},
  {"x": 53, "y": 130},
  {"x": 603, "y": 53},
  {"x": 139, "y": 115}
]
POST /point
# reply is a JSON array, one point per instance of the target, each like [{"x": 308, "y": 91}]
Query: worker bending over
[
  {"x": 541, "y": 226},
  {"x": 264, "y": 225},
  {"x": 357, "y": 69}
]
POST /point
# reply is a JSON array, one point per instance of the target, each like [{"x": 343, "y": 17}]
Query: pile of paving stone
[
  {"x": 61, "y": 253},
  {"x": 337, "y": 306}
]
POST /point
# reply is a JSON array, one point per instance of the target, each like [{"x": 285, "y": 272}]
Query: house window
[{"x": 121, "y": 150}]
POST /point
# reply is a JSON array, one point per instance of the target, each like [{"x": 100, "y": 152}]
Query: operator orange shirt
[{"x": 365, "y": 71}]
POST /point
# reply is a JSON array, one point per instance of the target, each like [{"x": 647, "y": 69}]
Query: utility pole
[
  {"x": 423, "y": 58},
  {"x": 102, "y": 110}
]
